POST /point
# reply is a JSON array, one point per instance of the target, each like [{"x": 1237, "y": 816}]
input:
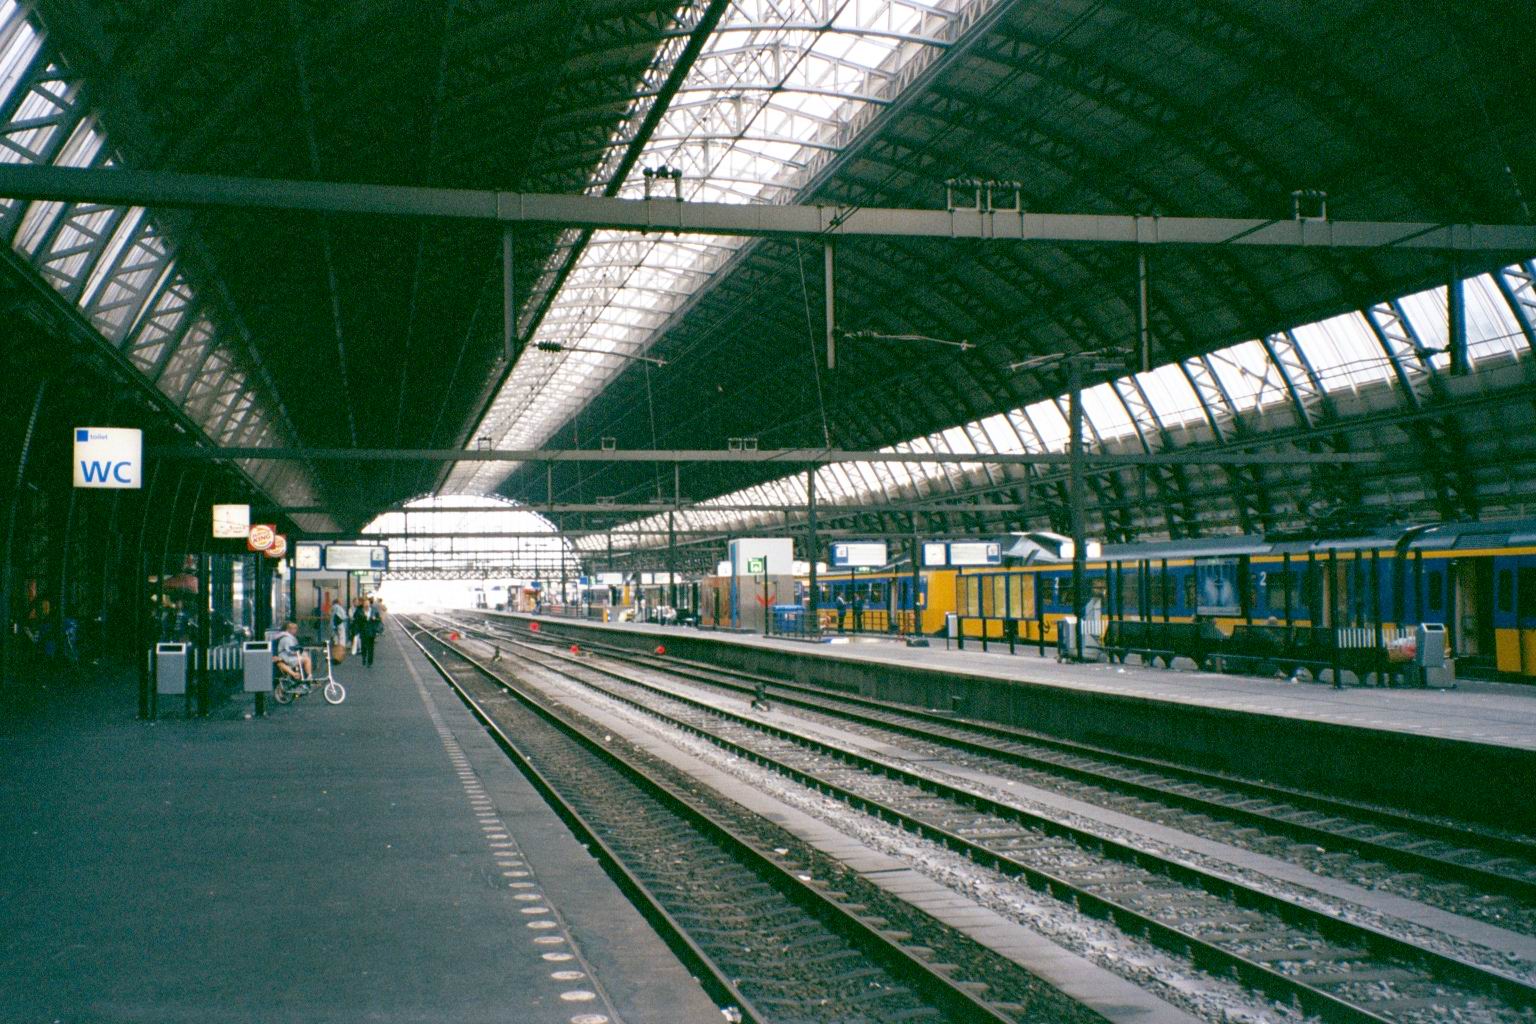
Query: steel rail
[
  {"x": 1274, "y": 983},
  {"x": 1408, "y": 859},
  {"x": 1385, "y": 818},
  {"x": 949, "y": 996},
  {"x": 715, "y": 980}
]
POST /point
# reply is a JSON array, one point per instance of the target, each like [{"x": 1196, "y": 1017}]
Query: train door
[
  {"x": 1472, "y": 600},
  {"x": 1514, "y": 613}
]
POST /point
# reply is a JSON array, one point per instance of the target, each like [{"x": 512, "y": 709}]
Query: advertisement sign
[
  {"x": 279, "y": 547},
  {"x": 352, "y": 557},
  {"x": 231, "y": 522},
  {"x": 307, "y": 556},
  {"x": 935, "y": 553},
  {"x": 857, "y": 554},
  {"x": 261, "y": 536},
  {"x": 975, "y": 553},
  {"x": 108, "y": 457},
  {"x": 1216, "y": 587}
]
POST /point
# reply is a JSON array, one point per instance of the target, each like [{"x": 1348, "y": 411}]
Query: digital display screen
[
  {"x": 975, "y": 553},
  {"x": 861, "y": 554},
  {"x": 351, "y": 557}
]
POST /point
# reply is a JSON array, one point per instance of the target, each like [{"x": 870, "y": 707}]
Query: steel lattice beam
[
  {"x": 171, "y": 189},
  {"x": 789, "y": 456}
]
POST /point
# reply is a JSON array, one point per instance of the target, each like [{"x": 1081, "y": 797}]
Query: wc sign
[{"x": 108, "y": 457}]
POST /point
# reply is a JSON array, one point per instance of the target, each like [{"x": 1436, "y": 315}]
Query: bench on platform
[{"x": 1197, "y": 641}]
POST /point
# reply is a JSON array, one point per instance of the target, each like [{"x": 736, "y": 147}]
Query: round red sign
[{"x": 261, "y": 537}]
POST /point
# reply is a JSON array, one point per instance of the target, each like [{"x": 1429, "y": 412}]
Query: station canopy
[{"x": 299, "y": 330}]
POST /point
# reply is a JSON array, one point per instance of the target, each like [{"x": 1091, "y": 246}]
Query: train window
[
  {"x": 1527, "y": 594},
  {"x": 1276, "y": 586},
  {"x": 964, "y": 586},
  {"x": 1098, "y": 590},
  {"x": 877, "y": 595},
  {"x": 1130, "y": 595},
  {"x": 1434, "y": 582},
  {"x": 1189, "y": 589},
  {"x": 999, "y": 588},
  {"x": 1506, "y": 590},
  {"x": 1021, "y": 596}
]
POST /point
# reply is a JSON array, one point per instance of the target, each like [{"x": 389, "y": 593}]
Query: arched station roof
[{"x": 388, "y": 334}]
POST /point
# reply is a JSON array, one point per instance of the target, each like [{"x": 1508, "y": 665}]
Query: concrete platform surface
[
  {"x": 377, "y": 861},
  {"x": 1500, "y": 714}
]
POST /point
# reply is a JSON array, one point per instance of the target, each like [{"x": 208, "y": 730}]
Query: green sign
[{"x": 757, "y": 566}]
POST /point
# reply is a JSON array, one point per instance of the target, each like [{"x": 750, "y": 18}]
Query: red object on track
[
  {"x": 660, "y": 649},
  {"x": 533, "y": 627},
  {"x": 454, "y": 636},
  {"x": 575, "y": 649}
]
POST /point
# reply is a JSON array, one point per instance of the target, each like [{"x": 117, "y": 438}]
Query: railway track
[
  {"x": 1470, "y": 871},
  {"x": 1336, "y": 969},
  {"x": 772, "y": 928}
]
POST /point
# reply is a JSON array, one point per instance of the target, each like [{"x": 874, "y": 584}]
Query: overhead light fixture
[
  {"x": 559, "y": 346},
  {"x": 1309, "y": 204},
  {"x": 961, "y": 344},
  {"x": 1101, "y": 360},
  {"x": 662, "y": 173}
]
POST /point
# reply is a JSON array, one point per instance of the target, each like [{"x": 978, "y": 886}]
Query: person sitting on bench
[{"x": 291, "y": 659}]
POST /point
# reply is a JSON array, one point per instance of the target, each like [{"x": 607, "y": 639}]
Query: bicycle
[{"x": 285, "y": 689}]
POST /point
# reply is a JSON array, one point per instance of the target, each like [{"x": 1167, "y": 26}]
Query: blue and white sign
[{"x": 110, "y": 457}]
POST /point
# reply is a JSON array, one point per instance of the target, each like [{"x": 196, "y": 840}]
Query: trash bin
[
  {"x": 171, "y": 662},
  {"x": 1066, "y": 638},
  {"x": 1429, "y": 656},
  {"x": 257, "y": 658},
  {"x": 788, "y": 619}
]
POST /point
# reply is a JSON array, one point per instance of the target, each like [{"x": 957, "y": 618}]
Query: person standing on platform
[
  {"x": 842, "y": 612},
  {"x": 359, "y": 625},
  {"x": 371, "y": 630},
  {"x": 338, "y": 623},
  {"x": 858, "y": 613}
]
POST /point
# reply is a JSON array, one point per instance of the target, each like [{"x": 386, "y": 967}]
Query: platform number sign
[
  {"x": 757, "y": 566},
  {"x": 109, "y": 457}
]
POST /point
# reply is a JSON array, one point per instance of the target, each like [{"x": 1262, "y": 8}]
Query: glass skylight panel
[
  {"x": 1430, "y": 318},
  {"x": 1491, "y": 327},
  {"x": 1050, "y": 426},
  {"x": 1247, "y": 376},
  {"x": 770, "y": 96},
  {"x": 1168, "y": 391},
  {"x": 1343, "y": 352},
  {"x": 19, "y": 43},
  {"x": 1107, "y": 413}
]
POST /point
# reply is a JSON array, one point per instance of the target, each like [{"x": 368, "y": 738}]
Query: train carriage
[{"x": 1478, "y": 580}]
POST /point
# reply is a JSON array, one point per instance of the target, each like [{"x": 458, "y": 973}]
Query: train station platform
[
  {"x": 380, "y": 860},
  {"x": 1414, "y": 748}
]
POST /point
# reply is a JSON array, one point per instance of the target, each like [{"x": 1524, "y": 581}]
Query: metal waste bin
[
  {"x": 1429, "y": 655},
  {"x": 171, "y": 662},
  {"x": 257, "y": 658}
]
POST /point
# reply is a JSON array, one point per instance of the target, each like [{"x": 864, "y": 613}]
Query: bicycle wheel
[
  {"x": 280, "y": 694},
  {"x": 334, "y": 692}
]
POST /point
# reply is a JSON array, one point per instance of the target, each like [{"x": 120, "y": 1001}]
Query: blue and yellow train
[{"x": 1476, "y": 579}]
